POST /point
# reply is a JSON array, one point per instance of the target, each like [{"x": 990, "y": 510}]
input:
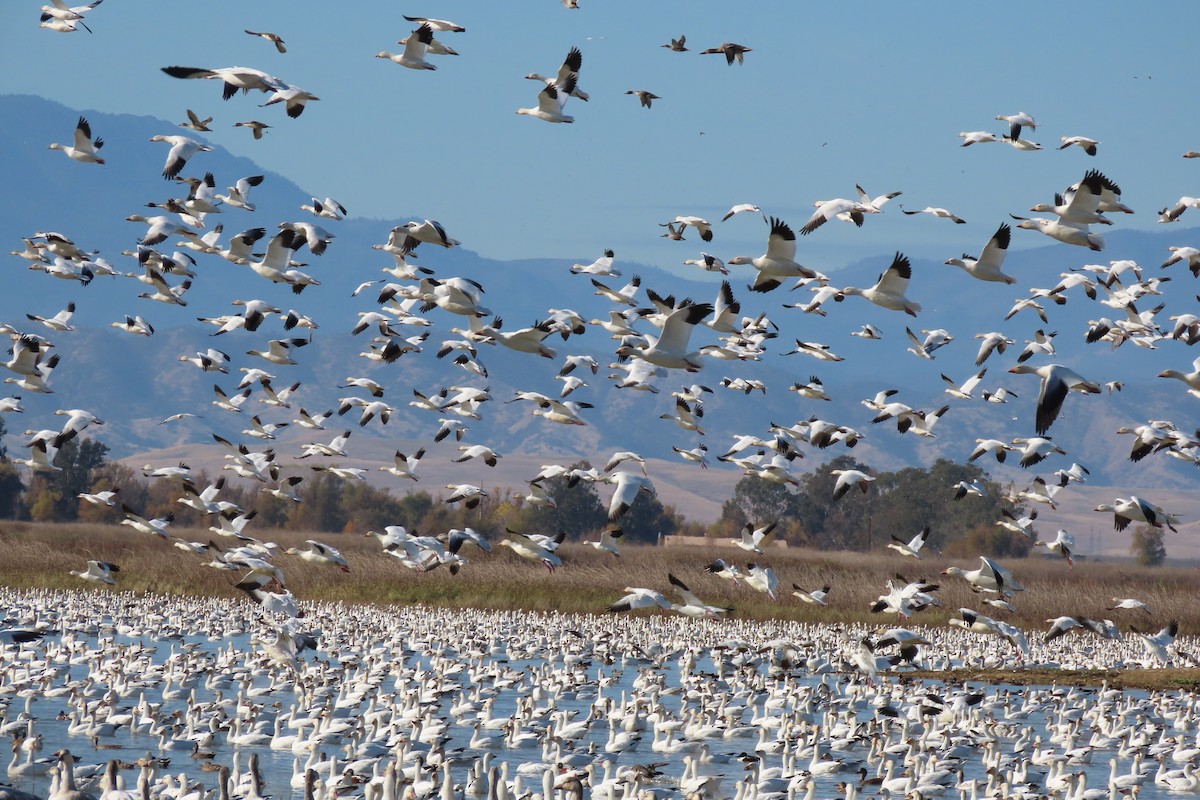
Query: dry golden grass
[{"x": 42, "y": 555}]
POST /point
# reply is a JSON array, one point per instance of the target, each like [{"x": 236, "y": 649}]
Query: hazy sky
[{"x": 833, "y": 94}]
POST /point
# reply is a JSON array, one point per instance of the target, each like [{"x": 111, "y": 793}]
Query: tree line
[{"x": 898, "y": 503}]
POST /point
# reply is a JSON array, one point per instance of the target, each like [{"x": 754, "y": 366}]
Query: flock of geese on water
[
  {"x": 452, "y": 703},
  {"x": 403, "y": 702}
]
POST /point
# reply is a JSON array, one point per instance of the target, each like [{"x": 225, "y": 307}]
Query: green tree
[
  {"x": 579, "y": 509},
  {"x": 322, "y": 507},
  {"x": 12, "y": 488},
  {"x": 1148, "y": 546},
  {"x": 646, "y": 519},
  {"x": 56, "y": 495}
]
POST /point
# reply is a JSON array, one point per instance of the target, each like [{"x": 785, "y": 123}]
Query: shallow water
[{"x": 409, "y": 660}]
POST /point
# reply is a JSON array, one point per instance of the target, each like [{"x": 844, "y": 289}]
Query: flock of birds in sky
[{"x": 653, "y": 333}]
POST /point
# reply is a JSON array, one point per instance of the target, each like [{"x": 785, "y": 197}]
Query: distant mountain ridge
[{"x": 134, "y": 382}]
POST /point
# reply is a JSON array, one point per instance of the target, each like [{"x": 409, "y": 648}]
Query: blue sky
[{"x": 832, "y": 95}]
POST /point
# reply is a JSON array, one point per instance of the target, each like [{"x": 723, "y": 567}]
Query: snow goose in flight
[
  {"x": 629, "y": 486},
  {"x": 1158, "y": 646},
  {"x": 815, "y": 597},
  {"x": 36, "y": 381},
  {"x": 888, "y": 291},
  {"x": 989, "y": 577},
  {"x": 1082, "y": 142},
  {"x": 155, "y": 527},
  {"x": 1057, "y": 381},
  {"x": 551, "y": 100},
  {"x": 1135, "y": 509},
  {"x": 293, "y": 98},
  {"x": 646, "y": 98},
  {"x": 696, "y": 454},
  {"x": 238, "y": 194},
  {"x": 963, "y": 392},
  {"x": 608, "y": 541},
  {"x": 85, "y": 147},
  {"x": 934, "y": 340},
  {"x": 60, "y": 11},
  {"x": 1174, "y": 212},
  {"x": 729, "y": 572},
  {"x": 813, "y": 390},
  {"x": 336, "y": 447},
  {"x": 1016, "y": 122},
  {"x": 977, "y": 137},
  {"x": 936, "y": 212},
  {"x": 415, "y": 48},
  {"x": 637, "y": 597},
  {"x": 404, "y": 239},
  {"x": 320, "y": 553},
  {"x": 1079, "y": 204},
  {"x": 439, "y": 25},
  {"x": 329, "y": 209},
  {"x": 570, "y": 67},
  {"x": 761, "y": 579},
  {"x": 273, "y": 38},
  {"x": 60, "y": 321},
  {"x": 1128, "y": 604},
  {"x": 752, "y": 537},
  {"x": 232, "y": 78},
  {"x": 876, "y": 202},
  {"x": 911, "y": 547},
  {"x": 670, "y": 350},
  {"x": 98, "y": 572},
  {"x": 278, "y": 351},
  {"x": 838, "y": 208},
  {"x": 601, "y": 266},
  {"x": 848, "y": 479},
  {"x": 702, "y": 226},
  {"x": 182, "y": 148},
  {"x": 730, "y": 50},
  {"x": 692, "y": 605},
  {"x": 987, "y": 266},
  {"x": 316, "y": 237},
  {"x": 135, "y": 325},
  {"x": 534, "y": 549},
  {"x": 1062, "y": 545},
  {"x": 1065, "y": 232},
  {"x": 778, "y": 262},
  {"x": 1036, "y": 449},
  {"x": 1020, "y": 144},
  {"x": 742, "y": 208},
  {"x": 468, "y": 494}
]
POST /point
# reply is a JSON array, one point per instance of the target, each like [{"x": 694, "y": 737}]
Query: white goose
[
  {"x": 415, "y": 48},
  {"x": 889, "y": 291},
  {"x": 98, "y": 572},
  {"x": 551, "y": 100},
  {"x": 182, "y": 148},
  {"x": 1057, "y": 381},
  {"x": 987, "y": 266},
  {"x": 321, "y": 553},
  {"x": 778, "y": 262},
  {"x": 85, "y": 147}
]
